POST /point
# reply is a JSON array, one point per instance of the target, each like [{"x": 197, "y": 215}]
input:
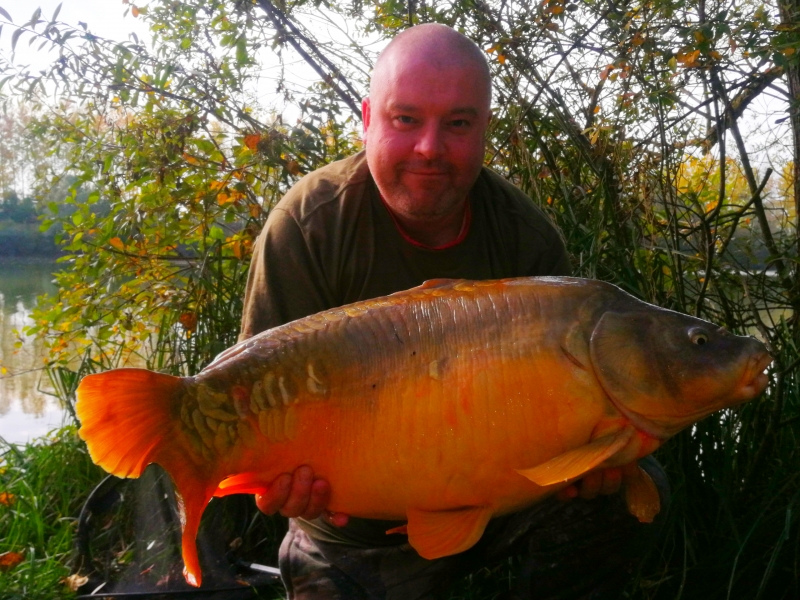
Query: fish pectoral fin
[
  {"x": 580, "y": 461},
  {"x": 434, "y": 534},
  {"x": 243, "y": 483},
  {"x": 641, "y": 494}
]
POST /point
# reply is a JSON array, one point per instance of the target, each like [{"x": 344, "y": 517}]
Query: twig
[{"x": 281, "y": 22}]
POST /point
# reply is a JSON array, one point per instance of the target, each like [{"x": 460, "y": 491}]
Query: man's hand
[
  {"x": 300, "y": 494},
  {"x": 605, "y": 482}
]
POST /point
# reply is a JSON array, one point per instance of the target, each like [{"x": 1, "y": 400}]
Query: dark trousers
[{"x": 578, "y": 549}]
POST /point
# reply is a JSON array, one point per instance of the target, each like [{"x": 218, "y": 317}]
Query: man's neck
[{"x": 434, "y": 233}]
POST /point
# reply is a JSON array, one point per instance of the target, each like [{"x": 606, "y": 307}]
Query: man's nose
[{"x": 430, "y": 143}]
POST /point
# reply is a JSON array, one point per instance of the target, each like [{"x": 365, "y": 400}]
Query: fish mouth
[{"x": 755, "y": 379}]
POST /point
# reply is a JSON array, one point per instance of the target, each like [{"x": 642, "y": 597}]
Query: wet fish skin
[{"x": 446, "y": 404}]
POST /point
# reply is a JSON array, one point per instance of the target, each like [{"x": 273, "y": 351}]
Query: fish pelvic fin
[
  {"x": 579, "y": 461},
  {"x": 125, "y": 414},
  {"x": 434, "y": 534},
  {"x": 243, "y": 483},
  {"x": 641, "y": 493}
]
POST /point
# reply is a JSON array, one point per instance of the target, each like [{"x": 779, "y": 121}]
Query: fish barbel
[{"x": 444, "y": 405}]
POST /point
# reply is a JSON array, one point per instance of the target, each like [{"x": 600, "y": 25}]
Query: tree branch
[{"x": 281, "y": 22}]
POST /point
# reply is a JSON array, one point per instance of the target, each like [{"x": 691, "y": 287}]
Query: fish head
[{"x": 664, "y": 370}]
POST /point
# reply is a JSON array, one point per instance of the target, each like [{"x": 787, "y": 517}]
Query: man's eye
[
  {"x": 460, "y": 123},
  {"x": 405, "y": 119}
]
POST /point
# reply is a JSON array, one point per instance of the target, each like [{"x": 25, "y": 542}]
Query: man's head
[{"x": 425, "y": 122}]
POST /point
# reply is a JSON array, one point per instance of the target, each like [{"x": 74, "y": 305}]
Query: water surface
[{"x": 27, "y": 411}]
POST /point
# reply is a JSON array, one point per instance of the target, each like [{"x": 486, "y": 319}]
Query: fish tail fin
[{"x": 125, "y": 414}]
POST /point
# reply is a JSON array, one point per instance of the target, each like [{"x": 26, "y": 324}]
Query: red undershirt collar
[{"x": 459, "y": 238}]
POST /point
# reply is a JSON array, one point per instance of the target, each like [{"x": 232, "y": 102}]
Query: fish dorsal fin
[
  {"x": 434, "y": 534},
  {"x": 437, "y": 283},
  {"x": 641, "y": 495},
  {"x": 579, "y": 461}
]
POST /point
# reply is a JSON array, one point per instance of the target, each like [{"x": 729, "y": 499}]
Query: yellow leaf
[
  {"x": 216, "y": 185},
  {"x": 251, "y": 141},
  {"x": 9, "y": 560},
  {"x": 788, "y": 51},
  {"x": 501, "y": 58},
  {"x": 596, "y": 109},
  {"x": 75, "y": 581},
  {"x": 293, "y": 167},
  {"x": 117, "y": 243}
]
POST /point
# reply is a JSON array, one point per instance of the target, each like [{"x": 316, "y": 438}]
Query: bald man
[{"x": 418, "y": 204}]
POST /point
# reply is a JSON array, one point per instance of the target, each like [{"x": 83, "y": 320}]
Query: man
[{"x": 418, "y": 205}]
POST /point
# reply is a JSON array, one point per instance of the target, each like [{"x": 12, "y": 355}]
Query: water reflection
[{"x": 26, "y": 410}]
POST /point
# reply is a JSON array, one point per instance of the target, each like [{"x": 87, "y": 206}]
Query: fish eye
[{"x": 698, "y": 336}]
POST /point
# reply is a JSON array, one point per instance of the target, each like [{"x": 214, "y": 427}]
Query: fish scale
[{"x": 444, "y": 405}]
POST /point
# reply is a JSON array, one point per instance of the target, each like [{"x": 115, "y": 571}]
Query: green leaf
[
  {"x": 77, "y": 218},
  {"x": 241, "y": 51},
  {"x": 15, "y": 38},
  {"x": 216, "y": 233}
]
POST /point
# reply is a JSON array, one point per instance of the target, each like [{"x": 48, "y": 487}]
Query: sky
[{"x": 105, "y": 18}]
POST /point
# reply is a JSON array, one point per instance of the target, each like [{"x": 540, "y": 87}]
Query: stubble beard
[{"x": 424, "y": 203}]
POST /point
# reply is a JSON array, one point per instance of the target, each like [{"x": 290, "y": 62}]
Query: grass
[{"x": 45, "y": 485}]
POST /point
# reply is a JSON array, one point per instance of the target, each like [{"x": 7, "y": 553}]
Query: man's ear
[{"x": 365, "y": 117}]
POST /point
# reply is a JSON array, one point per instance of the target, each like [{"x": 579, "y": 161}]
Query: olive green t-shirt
[{"x": 331, "y": 241}]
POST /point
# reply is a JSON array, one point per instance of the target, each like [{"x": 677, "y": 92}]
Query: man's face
[{"x": 424, "y": 129}]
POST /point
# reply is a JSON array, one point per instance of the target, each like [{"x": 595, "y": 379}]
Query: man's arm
[{"x": 286, "y": 282}]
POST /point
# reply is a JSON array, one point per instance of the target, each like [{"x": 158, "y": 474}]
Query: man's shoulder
[
  {"x": 507, "y": 200},
  {"x": 325, "y": 188}
]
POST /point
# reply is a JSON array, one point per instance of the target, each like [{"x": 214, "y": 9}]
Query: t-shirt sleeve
[
  {"x": 554, "y": 261},
  {"x": 286, "y": 281}
]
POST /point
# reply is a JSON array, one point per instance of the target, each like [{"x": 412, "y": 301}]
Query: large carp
[{"x": 444, "y": 405}]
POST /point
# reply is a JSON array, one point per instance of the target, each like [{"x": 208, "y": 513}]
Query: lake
[{"x": 26, "y": 410}]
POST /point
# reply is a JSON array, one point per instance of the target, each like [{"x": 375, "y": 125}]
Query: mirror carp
[{"x": 444, "y": 405}]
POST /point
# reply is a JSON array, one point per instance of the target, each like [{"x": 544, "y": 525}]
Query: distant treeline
[{"x": 19, "y": 229}]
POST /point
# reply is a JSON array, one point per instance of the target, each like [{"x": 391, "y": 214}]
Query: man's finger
[
  {"x": 300, "y": 493},
  {"x": 568, "y": 493},
  {"x": 276, "y": 496},
  {"x": 320, "y": 496},
  {"x": 590, "y": 485},
  {"x": 335, "y": 518},
  {"x": 612, "y": 479}
]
